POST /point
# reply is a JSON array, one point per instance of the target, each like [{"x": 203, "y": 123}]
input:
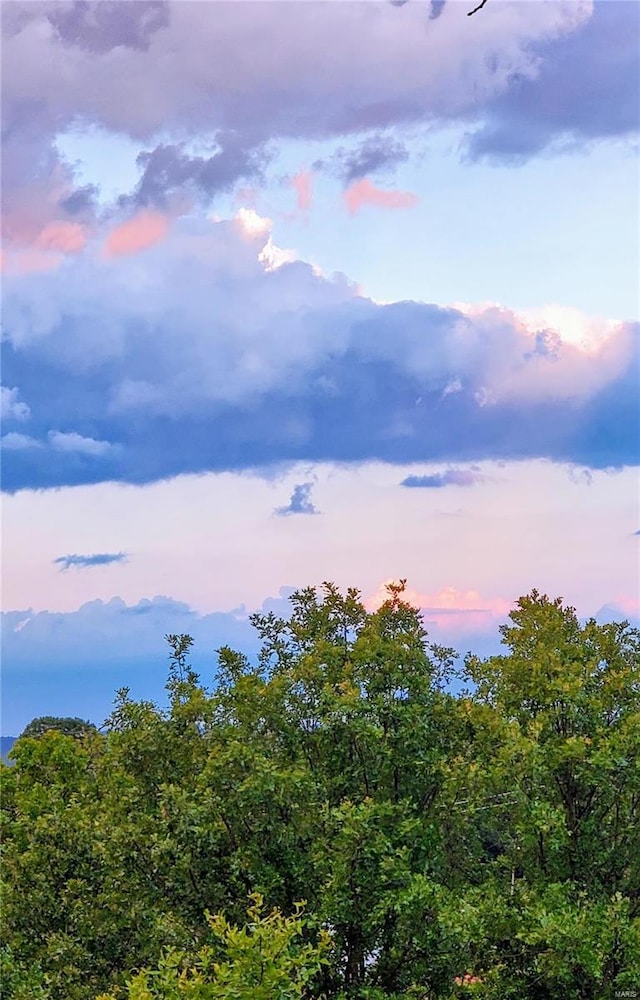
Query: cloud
[
  {"x": 17, "y": 442},
  {"x": 582, "y": 477},
  {"x": 62, "y": 237},
  {"x": 98, "y": 559},
  {"x": 73, "y": 663},
  {"x": 74, "y": 442},
  {"x": 302, "y": 182},
  {"x": 49, "y": 657},
  {"x": 170, "y": 168},
  {"x": 585, "y": 88},
  {"x": 102, "y": 27},
  {"x": 81, "y": 202},
  {"x": 452, "y": 477},
  {"x": 36, "y": 186},
  {"x": 623, "y": 609},
  {"x": 25, "y": 261},
  {"x": 152, "y": 70},
  {"x": 213, "y": 328},
  {"x": 140, "y": 74},
  {"x": 463, "y": 619},
  {"x": 142, "y": 231},
  {"x": 127, "y": 632},
  {"x": 363, "y": 193},
  {"x": 12, "y": 408},
  {"x": 377, "y": 152},
  {"x": 300, "y": 502}
]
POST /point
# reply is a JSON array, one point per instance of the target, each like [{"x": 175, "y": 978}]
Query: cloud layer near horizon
[
  {"x": 45, "y": 640},
  {"x": 104, "y": 645}
]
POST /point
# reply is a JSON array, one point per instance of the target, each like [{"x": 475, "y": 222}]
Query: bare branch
[{"x": 476, "y": 9}]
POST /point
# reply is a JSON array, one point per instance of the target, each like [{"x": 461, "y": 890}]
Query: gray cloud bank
[
  {"x": 523, "y": 78},
  {"x": 200, "y": 359}
]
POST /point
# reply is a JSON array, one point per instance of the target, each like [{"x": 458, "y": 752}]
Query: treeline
[{"x": 340, "y": 820}]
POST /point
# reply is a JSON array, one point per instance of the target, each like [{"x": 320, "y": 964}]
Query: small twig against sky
[{"x": 476, "y": 9}]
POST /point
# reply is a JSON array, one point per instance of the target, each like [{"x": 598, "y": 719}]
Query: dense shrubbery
[{"x": 482, "y": 843}]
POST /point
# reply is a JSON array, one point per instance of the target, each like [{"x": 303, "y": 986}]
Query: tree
[
  {"x": 266, "y": 959},
  {"x": 481, "y": 842},
  {"x": 555, "y": 786},
  {"x": 69, "y": 726}
]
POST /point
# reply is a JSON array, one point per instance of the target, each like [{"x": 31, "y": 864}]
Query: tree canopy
[
  {"x": 393, "y": 835},
  {"x": 70, "y": 726}
]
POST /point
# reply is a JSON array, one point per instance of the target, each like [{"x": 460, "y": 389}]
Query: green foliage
[
  {"x": 266, "y": 959},
  {"x": 18, "y": 982},
  {"x": 68, "y": 726},
  {"x": 484, "y": 843}
]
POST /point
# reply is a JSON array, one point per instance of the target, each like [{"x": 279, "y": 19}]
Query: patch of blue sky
[
  {"x": 558, "y": 216},
  {"x": 103, "y": 158},
  {"x": 558, "y": 229}
]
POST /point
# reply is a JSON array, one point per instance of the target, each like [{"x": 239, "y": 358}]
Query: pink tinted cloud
[
  {"x": 29, "y": 261},
  {"x": 42, "y": 250},
  {"x": 62, "y": 237},
  {"x": 450, "y": 610},
  {"x": 303, "y": 184},
  {"x": 627, "y": 606},
  {"x": 363, "y": 193},
  {"x": 144, "y": 230}
]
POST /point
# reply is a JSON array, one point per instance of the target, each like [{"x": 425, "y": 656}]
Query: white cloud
[
  {"x": 77, "y": 443},
  {"x": 18, "y": 442},
  {"x": 11, "y": 408},
  {"x": 588, "y": 333}
]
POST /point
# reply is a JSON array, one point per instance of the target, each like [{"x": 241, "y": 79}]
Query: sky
[{"x": 305, "y": 291}]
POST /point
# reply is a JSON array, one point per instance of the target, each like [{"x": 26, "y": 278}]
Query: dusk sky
[{"x": 304, "y": 291}]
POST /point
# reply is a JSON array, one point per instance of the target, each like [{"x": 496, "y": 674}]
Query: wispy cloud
[
  {"x": 437, "y": 480},
  {"x": 18, "y": 442},
  {"x": 74, "y": 442},
  {"x": 11, "y": 407},
  {"x": 139, "y": 233},
  {"x": 302, "y": 183},
  {"x": 435, "y": 9},
  {"x": 300, "y": 502},
  {"x": 364, "y": 192},
  {"x": 378, "y": 152},
  {"x": 97, "y": 559}
]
